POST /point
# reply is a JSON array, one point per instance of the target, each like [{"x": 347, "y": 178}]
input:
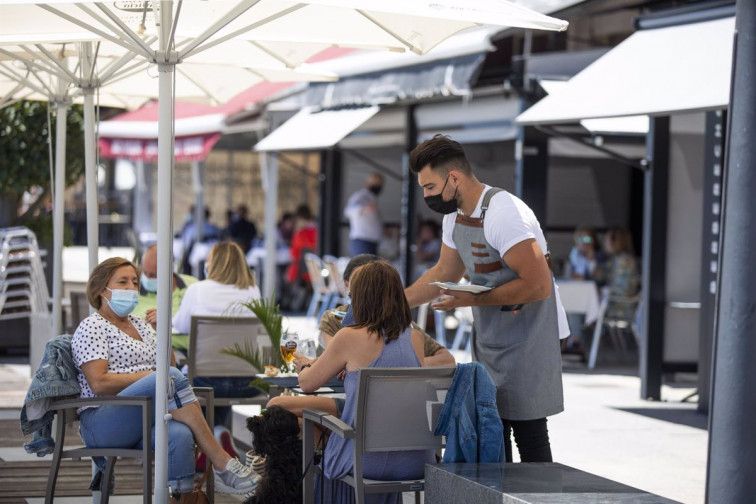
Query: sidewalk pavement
[{"x": 606, "y": 429}]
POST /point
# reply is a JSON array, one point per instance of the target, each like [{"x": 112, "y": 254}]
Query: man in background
[{"x": 365, "y": 227}]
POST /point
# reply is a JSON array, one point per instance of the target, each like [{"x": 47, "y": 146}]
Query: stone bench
[{"x": 543, "y": 483}]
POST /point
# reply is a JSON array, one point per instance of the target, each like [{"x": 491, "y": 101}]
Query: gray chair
[
  {"x": 418, "y": 393},
  {"x": 65, "y": 413},
  {"x": 614, "y": 327},
  {"x": 208, "y": 335}
]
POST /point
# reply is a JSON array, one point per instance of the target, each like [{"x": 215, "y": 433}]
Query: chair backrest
[
  {"x": 415, "y": 396},
  {"x": 79, "y": 307},
  {"x": 208, "y": 335},
  {"x": 315, "y": 269},
  {"x": 335, "y": 275}
]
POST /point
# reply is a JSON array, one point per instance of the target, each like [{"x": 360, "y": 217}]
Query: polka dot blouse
[{"x": 96, "y": 338}]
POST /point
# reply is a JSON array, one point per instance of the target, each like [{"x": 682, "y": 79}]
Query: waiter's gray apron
[{"x": 519, "y": 348}]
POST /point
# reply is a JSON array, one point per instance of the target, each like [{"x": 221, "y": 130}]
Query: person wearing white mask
[{"x": 116, "y": 353}]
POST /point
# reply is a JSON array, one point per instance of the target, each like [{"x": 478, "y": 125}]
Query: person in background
[
  {"x": 365, "y": 227},
  {"x": 585, "y": 257},
  {"x": 305, "y": 239},
  {"x": 496, "y": 239},
  {"x": 620, "y": 273},
  {"x": 148, "y": 285},
  {"x": 241, "y": 230},
  {"x": 286, "y": 229},
  {"x": 116, "y": 353},
  {"x": 428, "y": 245},
  {"x": 210, "y": 233}
]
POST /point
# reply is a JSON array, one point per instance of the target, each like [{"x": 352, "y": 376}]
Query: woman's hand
[
  {"x": 300, "y": 360},
  {"x": 151, "y": 317}
]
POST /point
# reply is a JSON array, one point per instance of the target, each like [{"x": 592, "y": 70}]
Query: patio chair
[
  {"x": 320, "y": 290},
  {"x": 339, "y": 294},
  {"x": 208, "y": 335},
  {"x": 65, "y": 413},
  {"x": 418, "y": 393},
  {"x": 614, "y": 327}
]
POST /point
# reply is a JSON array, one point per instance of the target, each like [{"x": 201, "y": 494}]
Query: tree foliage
[{"x": 24, "y": 154}]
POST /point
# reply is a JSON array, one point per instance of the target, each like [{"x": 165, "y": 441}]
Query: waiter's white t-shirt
[{"x": 508, "y": 222}]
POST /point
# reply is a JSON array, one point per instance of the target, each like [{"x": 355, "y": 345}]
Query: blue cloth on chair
[{"x": 470, "y": 419}]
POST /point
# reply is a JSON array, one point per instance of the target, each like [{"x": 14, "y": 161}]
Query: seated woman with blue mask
[{"x": 116, "y": 354}]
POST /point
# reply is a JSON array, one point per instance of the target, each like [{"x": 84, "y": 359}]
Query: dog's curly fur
[{"x": 276, "y": 437}]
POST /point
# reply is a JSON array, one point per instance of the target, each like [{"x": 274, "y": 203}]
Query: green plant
[{"x": 268, "y": 312}]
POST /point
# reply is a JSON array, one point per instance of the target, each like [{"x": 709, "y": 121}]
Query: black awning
[{"x": 450, "y": 77}]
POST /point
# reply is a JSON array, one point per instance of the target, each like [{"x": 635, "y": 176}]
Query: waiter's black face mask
[{"x": 438, "y": 204}]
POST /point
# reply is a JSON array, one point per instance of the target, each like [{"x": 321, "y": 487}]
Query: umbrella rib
[
  {"x": 125, "y": 30},
  {"x": 28, "y": 63},
  {"x": 57, "y": 63},
  {"x": 11, "y": 74},
  {"x": 398, "y": 37},
  {"x": 114, "y": 67},
  {"x": 96, "y": 31},
  {"x": 193, "y": 49},
  {"x": 90, "y": 77},
  {"x": 237, "y": 11},
  {"x": 272, "y": 54},
  {"x": 200, "y": 86}
]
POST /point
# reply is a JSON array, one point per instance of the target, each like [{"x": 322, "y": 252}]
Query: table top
[
  {"x": 580, "y": 296},
  {"x": 333, "y": 386}
]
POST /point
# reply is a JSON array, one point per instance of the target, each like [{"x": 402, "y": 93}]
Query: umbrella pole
[
  {"x": 93, "y": 240},
  {"x": 271, "y": 233},
  {"x": 58, "y": 213}
]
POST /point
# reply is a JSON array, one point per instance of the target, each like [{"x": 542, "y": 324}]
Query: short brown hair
[
  {"x": 440, "y": 152},
  {"x": 378, "y": 300},
  {"x": 229, "y": 266},
  {"x": 100, "y": 277}
]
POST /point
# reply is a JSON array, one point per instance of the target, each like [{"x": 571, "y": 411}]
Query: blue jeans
[
  {"x": 121, "y": 427},
  {"x": 232, "y": 386},
  {"x": 357, "y": 247}
]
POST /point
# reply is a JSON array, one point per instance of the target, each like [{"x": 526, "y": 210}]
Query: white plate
[{"x": 464, "y": 288}]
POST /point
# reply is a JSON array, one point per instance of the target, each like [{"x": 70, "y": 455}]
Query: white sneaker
[{"x": 236, "y": 479}]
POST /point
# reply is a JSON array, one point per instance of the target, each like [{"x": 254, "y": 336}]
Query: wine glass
[{"x": 289, "y": 343}]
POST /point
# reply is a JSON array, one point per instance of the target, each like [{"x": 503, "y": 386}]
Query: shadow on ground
[{"x": 681, "y": 416}]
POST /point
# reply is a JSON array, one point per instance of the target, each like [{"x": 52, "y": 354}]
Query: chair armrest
[
  {"x": 81, "y": 402},
  {"x": 330, "y": 422}
]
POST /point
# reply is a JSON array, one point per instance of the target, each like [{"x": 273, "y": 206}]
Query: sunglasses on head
[{"x": 583, "y": 239}]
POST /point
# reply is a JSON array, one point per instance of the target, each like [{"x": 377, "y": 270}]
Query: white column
[{"x": 271, "y": 208}]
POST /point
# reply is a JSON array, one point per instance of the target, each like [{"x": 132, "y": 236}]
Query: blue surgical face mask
[
  {"x": 122, "y": 301},
  {"x": 149, "y": 284}
]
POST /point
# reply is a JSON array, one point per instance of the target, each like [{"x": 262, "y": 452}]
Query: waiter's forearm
[{"x": 514, "y": 292}]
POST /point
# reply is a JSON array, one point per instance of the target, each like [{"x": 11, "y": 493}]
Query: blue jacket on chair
[
  {"x": 56, "y": 378},
  {"x": 470, "y": 419}
]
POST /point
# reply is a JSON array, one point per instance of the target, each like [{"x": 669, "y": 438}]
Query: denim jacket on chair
[
  {"x": 470, "y": 419},
  {"x": 56, "y": 378}
]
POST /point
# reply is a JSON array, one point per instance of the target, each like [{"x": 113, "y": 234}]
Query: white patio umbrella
[{"x": 395, "y": 24}]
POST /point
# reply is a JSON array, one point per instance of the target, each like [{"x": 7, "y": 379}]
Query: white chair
[
  {"x": 418, "y": 393},
  {"x": 320, "y": 291}
]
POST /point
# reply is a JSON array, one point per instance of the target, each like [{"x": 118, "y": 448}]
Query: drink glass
[
  {"x": 289, "y": 343},
  {"x": 308, "y": 348}
]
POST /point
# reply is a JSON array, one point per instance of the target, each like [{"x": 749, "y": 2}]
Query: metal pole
[
  {"x": 271, "y": 234},
  {"x": 166, "y": 68},
  {"x": 407, "y": 248},
  {"x": 90, "y": 161},
  {"x": 732, "y": 438},
  {"x": 58, "y": 210}
]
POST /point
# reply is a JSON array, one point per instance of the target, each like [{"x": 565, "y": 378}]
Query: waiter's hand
[
  {"x": 454, "y": 299},
  {"x": 151, "y": 317}
]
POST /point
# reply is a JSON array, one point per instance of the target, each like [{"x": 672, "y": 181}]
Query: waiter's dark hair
[
  {"x": 441, "y": 153},
  {"x": 356, "y": 262},
  {"x": 378, "y": 300}
]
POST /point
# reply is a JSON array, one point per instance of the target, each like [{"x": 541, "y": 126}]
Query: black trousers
[{"x": 532, "y": 438}]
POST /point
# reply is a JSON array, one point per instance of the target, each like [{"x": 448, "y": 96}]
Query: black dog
[{"x": 276, "y": 437}]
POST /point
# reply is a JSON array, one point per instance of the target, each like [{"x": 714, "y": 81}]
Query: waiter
[{"x": 495, "y": 239}]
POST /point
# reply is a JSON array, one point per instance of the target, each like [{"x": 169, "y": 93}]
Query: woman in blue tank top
[{"x": 380, "y": 337}]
